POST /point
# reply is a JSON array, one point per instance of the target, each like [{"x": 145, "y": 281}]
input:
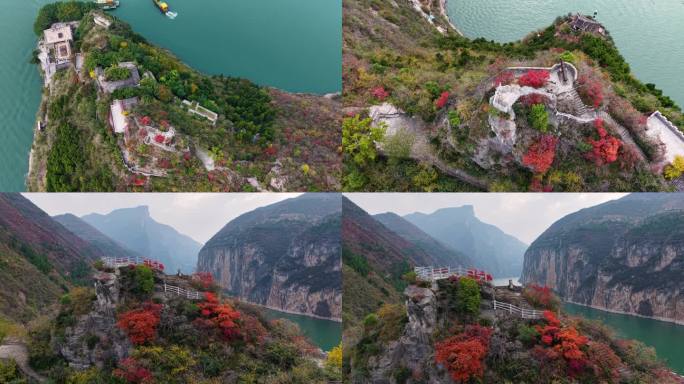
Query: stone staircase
[{"x": 577, "y": 102}]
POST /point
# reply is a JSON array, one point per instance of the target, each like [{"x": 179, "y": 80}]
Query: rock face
[
  {"x": 625, "y": 255},
  {"x": 95, "y": 339},
  {"x": 414, "y": 350},
  {"x": 286, "y": 256}
]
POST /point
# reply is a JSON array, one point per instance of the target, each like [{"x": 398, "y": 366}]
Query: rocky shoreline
[{"x": 335, "y": 319}]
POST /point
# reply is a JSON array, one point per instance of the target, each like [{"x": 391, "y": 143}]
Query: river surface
[
  {"x": 325, "y": 334},
  {"x": 647, "y": 32},
  {"x": 295, "y": 45},
  {"x": 666, "y": 338}
]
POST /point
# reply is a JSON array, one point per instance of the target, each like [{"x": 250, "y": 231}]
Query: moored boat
[
  {"x": 163, "y": 7},
  {"x": 107, "y": 4}
]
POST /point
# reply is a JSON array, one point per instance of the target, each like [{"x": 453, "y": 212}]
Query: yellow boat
[{"x": 163, "y": 7}]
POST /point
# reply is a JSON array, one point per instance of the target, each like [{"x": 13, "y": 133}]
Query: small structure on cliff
[
  {"x": 586, "y": 24},
  {"x": 57, "y": 41},
  {"x": 110, "y": 86},
  {"x": 659, "y": 127}
]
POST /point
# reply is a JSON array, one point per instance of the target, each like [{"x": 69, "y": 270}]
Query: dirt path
[{"x": 17, "y": 351}]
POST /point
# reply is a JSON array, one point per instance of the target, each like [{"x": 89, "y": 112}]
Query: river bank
[
  {"x": 334, "y": 319},
  {"x": 663, "y": 319}
]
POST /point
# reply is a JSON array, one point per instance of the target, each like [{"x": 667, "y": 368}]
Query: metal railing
[
  {"x": 522, "y": 312},
  {"x": 178, "y": 291},
  {"x": 434, "y": 274},
  {"x": 117, "y": 262}
]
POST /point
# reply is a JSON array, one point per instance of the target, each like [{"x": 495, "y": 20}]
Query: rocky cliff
[
  {"x": 625, "y": 256},
  {"x": 286, "y": 256}
]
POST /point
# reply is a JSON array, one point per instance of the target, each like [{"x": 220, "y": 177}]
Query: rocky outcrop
[
  {"x": 285, "y": 256},
  {"x": 414, "y": 350},
  {"x": 625, "y": 256},
  {"x": 95, "y": 339}
]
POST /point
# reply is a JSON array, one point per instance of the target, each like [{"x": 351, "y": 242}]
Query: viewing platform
[{"x": 434, "y": 274}]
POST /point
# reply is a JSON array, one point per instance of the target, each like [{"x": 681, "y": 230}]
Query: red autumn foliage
[
  {"x": 154, "y": 264},
  {"x": 221, "y": 317},
  {"x": 252, "y": 329},
  {"x": 145, "y": 120},
  {"x": 206, "y": 279},
  {"x": 133, "y": 372},
  {"x": 606, "y": 148},
  {"x": 479, "y": 275},
  {"x": 532, "y": 99},
  {"x": 562, "y": 342},
  {"x": 139, "y": 180},
  {"x": 159, "y": 138},
  {"x": 140, "y": 324},
  {"x": 595, "y": 93},
  {"x": 540, "y": 154},
  {"x": 380, "y": 93},
  {"x": 442, "y": 100},
  {"x": 603, "y": 362},
  {"x": 534, "y": 78},
  {"x": 463, "y": 354},
  {"x": 186, "y": 156},
  {"x": 164, "y": 124},
  {"x": 271, "y": 150},
  {"x": 540, "y": 297},
  {"x": 142, "y": 132},
  {"x": 504, "y": 78}
]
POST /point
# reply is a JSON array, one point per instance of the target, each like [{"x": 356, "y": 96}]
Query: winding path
[{"x": 18, "y": 352}]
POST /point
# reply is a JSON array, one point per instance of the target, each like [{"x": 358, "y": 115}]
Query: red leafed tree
[
  {"x": 534, "y": 78},
  {"x": 142, "y": 132},
  {"x": 380, "y": 93},
  {"x": 540, "y": 154},
  {"x": 605, "y": 149},
  {"x": 252, "y": 329},
  {"x": 540, "y": 296},
  {"x": 504, "y": 78},
  {"x": 219, "y": 316},
  {"x": 442, "y": 100},
  {"x": 145, "y": 120},
  {"x": 206, "y": 280},
  {"x": 187, "y": 156},
  {"x": 533, "y": 98},
  {"x": 591, "y": 89},
  {"x": 159, "y": 138},
  {"x": 133, "y": 372},
  {"x": 140, "y": 324},
  {"x": 271, "y": 150},
  {"x": 562, "y": 342},
  {"x": 463, "y": 354}
]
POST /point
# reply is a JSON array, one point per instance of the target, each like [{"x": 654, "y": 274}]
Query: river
[
  {"x": 295, "y": 45},
  {"x": 325, "y": 334},
  {"x": 647, "y": 32},
  {"x": 666, "y": 338}
]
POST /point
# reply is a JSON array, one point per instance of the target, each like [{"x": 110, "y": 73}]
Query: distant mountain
[
  {"x": 134, "y": 229},
  {"x": 94, "y": 237},
  {"x": 440, "y": 253},
  {"x": 285, "y": 255},
  {"x": 39, "y": 258},
  {"x": 488, "y": 246},
  {"x": 625, "y": 255}
]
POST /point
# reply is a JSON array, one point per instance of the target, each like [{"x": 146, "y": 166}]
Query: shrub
[
  {"x": 132, "y": 371},
  {"x": 116, "y": 73},
  {"x": 359, "y": 137},
  {"x": 674, "y": 170},
  {"x": 167, "y": 364},
  {"x": 568, "y": 56},
  {"x": 371, "y": 320},
  {"x": 140, "y": 324},
  {"x": 143, "y": 279},
  {"x": 454, "y": 118},
  {"x": 221, "y": 317},
  {"x": 539, "y": 118},
  {"x": 603, "y": 362},
  {"x": 392, "y": 321},
  {"x": 527, "y": 335},
  {"x": 541, "y": 297},
  {"x": 463, "y": 354},
  {"x": 540, "y": 155},
  {"x": 410, "y": 277},
  {"x": 380, "y": 93},
  {"x": 81, "y": 300},
  {"x": 468, "y": 296},
  {"x": 334, "y": 359},
  {"x": 9, "y": 373},
  {"x": 442, "y": 100},
  {"x": 606, "y": 148},
  {"x": 534, "y": 78}
]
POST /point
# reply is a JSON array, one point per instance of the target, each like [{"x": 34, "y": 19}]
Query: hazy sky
[
  {"x": 198, "y": 215},
  {"x": 523, "y": 215}
]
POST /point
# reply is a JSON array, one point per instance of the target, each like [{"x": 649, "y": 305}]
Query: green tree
[
  {"x": 65, "y": 160},
  {"x": 539, "y": 118},
  {"x": 359, "y": 137},
  {"x": 468, "y": 296},
  {"x": 143, "y": 278}
]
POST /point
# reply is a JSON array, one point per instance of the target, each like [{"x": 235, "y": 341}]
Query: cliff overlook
[
  {"x": 430, "y": 110},
  {"x": 120, "y": 114}
]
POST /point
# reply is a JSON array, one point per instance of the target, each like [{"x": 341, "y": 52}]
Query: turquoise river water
[
  {"x": 647, "y": 32},
  {"x": 325, "y": 334},
  {"x": 295, "y": 45}
]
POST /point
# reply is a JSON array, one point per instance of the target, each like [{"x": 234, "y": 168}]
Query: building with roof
[
  {"x": 118, "y": 117},
  {"x": 57, "y": 40},
  {"x": 586, "y": 24},
  {"x": 102, "y": 21},
  {"x": 111, "y": 86}
]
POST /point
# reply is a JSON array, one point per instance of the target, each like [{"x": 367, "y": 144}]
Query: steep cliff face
[
  {"x": 286, "y": 256},
  {"x": 626, "y": 255}
]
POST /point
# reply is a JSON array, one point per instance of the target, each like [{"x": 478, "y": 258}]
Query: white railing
[
  {"x": 178, "y": 291},
  {"x": 522, "y": 312},
  {"x": 117, "y": 262},
  {"x": 434, "y": 274}
]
